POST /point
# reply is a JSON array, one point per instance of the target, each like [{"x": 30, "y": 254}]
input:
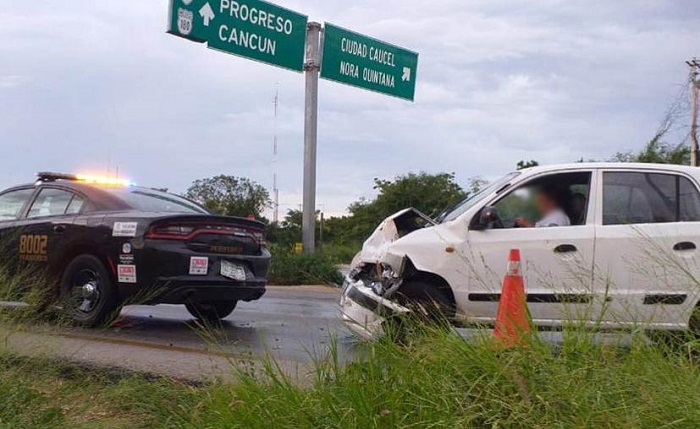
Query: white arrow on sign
[
  {"x": 207, "y": 14},
  {"x": 406, "y": 74}
]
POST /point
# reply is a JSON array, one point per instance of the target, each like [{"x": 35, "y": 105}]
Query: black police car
[{"x": 106, "y": 244}]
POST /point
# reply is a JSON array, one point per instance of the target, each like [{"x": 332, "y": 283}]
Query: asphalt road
[{"x": 293, "y": 325}]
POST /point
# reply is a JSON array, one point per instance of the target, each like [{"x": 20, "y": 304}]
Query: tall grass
[
  {"x": 46, "y": 394},
  {"x": 434, "y": 379},
  {"x": 288, "y": 268},
  {"x": 441, "y": 381},
  {"x": 437, "y": 380}
]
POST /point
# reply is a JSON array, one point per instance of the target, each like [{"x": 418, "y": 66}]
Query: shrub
[
  {"x": 288, "y": 268},
  {"x": 340, "y": 253}
]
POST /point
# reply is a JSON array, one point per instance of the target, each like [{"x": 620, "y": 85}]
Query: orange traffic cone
[{"x": 513, "y": 319}]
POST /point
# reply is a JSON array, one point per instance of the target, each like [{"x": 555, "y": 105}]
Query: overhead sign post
[
  {"x": 252, "y": 29},
  {"x": 264, "y": 32},
  {"x": 368, "y": 63},
  {"x": 311, "y": 68}
]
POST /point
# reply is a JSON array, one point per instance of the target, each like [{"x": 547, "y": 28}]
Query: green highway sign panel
[
  {"x": 252, "y": 29},
  {"x": 368, "y": 63}
]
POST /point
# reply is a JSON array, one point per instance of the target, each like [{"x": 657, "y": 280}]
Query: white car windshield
[{"x": 473, "y": 199}]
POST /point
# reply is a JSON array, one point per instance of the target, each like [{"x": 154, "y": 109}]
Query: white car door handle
[
  {"x": 565, "y": 248},
  {"x": 685, "y": 245}
]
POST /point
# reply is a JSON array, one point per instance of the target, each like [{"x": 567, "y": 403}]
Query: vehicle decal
[
  {"x": 484, "y": 297},
  {"x": 199, "y": 266},
  {"x": 126, "y": 259},
  {"x": 33, "y": 248},
  {"x": 665, "y": 299},
  {"x": 536, "y": 298},
  {"x": 229, "y": 250},
  {"x": 126, "y": 273},
  {"x": 124, "y": 229},
  {"x": 126, "y": 248}
]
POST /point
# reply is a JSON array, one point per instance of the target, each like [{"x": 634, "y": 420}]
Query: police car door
[
  {"x": 12, "y": 204},
  {"x": 557, "y": 261},
  {"x": 44, "y": 232},
  {"x": 647, "y": 243}
]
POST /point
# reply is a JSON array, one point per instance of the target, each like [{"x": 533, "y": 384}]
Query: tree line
[{"x": 429, "y": 193}]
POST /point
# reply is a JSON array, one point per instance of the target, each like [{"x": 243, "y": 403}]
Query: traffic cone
[{"x": 513, "y": 319}]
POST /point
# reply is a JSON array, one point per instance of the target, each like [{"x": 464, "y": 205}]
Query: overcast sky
[{"x": 86, "y": 85}]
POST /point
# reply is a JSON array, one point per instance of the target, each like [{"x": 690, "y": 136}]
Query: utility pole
[
  {"x": 312, "y": 68},
  {"x": 694, "y": 65}
]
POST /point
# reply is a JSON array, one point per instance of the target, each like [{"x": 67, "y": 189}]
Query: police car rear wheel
[
  {"x": 211, "y": 311},
  {"x": 87, "y": 292}
]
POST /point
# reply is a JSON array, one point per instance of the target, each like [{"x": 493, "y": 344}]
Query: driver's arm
[{"x": 523, "y": 223}]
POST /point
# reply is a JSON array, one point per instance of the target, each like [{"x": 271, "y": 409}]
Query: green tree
[
  {"x": 230, "y": 196},
  {"x": 658, "y": 152},
  {"x": 429, "y": 193}
]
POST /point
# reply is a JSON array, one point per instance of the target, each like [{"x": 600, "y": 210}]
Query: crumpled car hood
[{"x": 391, "y": 229}]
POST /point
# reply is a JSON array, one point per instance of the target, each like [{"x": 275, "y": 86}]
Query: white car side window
[{"x": 643, "y": 198}]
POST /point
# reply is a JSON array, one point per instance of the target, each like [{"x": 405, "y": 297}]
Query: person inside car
[{"x": 550, "y": 201}]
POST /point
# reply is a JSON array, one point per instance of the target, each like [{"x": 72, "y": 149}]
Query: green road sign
[
  {"x": 368, "y": 63},
  {"x": 250, "y": 28}
]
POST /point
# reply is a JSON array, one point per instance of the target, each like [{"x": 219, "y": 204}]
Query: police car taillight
[
  {"x": 170, "y": 232},
  {"x": 190, "y": 231},
  {"x": 260, "y": 238}
]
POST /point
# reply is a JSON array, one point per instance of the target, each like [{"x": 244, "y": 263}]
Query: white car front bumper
[{"x": 363, "y": 311}]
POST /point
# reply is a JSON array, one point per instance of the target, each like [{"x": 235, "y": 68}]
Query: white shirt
[{"x": 556, "y": 217}]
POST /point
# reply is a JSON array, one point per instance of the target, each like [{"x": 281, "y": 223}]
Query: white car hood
[{"x": 376, "y": 246}]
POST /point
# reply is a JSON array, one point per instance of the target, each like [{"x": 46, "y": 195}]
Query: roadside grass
[
  {"x": 435, "y": 380},
  {"x": 441, "y": 381},
  {"x": 340, "y": 253},
  {"x": 40, "y": 393},
  {"x": 290, "y": 269},
  {"x": 28, "y": 289}
]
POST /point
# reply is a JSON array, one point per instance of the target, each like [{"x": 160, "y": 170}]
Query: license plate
[{"x": 232, "y": 271}]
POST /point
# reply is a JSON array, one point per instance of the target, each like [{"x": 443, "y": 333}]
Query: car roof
[
  {"x": 99, "y": 197},
  {"x": 694, "y": 171}
]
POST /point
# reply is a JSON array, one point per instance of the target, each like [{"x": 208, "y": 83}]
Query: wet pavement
[{"x": 295, "y": 325}]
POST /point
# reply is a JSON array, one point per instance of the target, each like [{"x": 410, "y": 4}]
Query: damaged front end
[{"x": 377, "y": 274}]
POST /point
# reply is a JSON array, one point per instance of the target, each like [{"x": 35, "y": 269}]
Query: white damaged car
[{"x": 624, "y": 254}]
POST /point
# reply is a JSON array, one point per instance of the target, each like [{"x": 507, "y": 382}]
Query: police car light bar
[
  {"x": 84, "y": 178},
  {"x": 52, "y": 177}
]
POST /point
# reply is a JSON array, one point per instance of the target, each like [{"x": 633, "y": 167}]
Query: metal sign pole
[{"x": 312, "y": 68}]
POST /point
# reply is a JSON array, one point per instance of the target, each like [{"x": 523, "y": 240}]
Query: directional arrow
[
  {"x": 207, "y": 14},
  {"x": 406, "y": 74}
]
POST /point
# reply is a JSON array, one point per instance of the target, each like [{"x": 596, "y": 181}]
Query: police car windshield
[
  {"x": 473, "y": 199},
  {"x": 149, "y": 200}
]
